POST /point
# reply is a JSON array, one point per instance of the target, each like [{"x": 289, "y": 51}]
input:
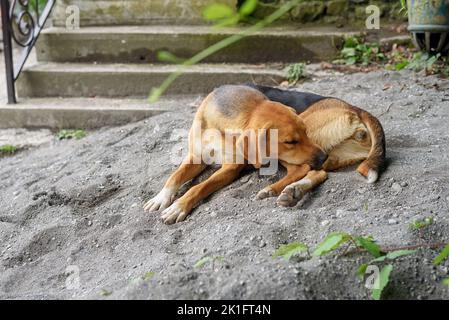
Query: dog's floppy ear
[{"x": 253, "y": 144}]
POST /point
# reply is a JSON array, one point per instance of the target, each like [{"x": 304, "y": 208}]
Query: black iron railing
[{"x": 22, "y": 22}]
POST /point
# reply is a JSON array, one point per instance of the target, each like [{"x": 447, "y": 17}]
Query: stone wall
[
  {"x": 340, "y": 12},
  {"x": 166, "y": 12},
  {"x": 135, "y": 12}
]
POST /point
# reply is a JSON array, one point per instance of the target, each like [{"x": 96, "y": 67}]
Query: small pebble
[
  {"x": 325, "y": 223},
  {"x": 396, "y": 187},
  {"x": 392, "y": 221}
]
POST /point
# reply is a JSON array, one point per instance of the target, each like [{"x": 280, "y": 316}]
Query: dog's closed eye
[{"x": 292, "y": 142}]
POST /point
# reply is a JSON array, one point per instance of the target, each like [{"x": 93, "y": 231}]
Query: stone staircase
[{"x": 112, "y": 56}]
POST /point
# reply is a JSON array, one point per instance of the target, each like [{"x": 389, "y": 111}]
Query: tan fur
[
  {"x": 253, "y": 113},
  {"x": 347, "y": 134}
]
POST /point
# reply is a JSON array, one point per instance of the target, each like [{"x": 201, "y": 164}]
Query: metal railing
[{"x": 22, "y": 22}]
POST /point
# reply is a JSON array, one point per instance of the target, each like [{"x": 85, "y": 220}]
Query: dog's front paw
[
  {"x": 174, "y": 213},
  {"x": 290, "y": 196},
  {"x": 266, "y": 193},
  {"x": 161, "y": 201}
]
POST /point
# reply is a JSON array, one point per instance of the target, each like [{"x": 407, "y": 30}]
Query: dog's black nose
[{"x": 319, "y": 159}]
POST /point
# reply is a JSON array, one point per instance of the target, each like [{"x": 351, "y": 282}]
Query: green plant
[
  {"x": 397, "y": 59},
  {"x": 443, "y": 255},
  {"x": 200, "y": 263},
  {"x": 105, "y": 293},
  {"x": 401, "y": 57},
  {"x": 148, "y": 275},
  {"x": 223, "y": 15},
  {"x": 287, "y": 251},
  {"x": 8, "y": 149},
  {"x": 421, "y": 224},
  {"x": 382, "y": 281},
  {"x": 70, "y": 134},
  {"x": 403, "y": 6},
  {"x": 158, "y": 91},
  {"x": 355, "y": 50},
  {"x": 295, "y": 72},
  {"x": 430, "y": 64},
  {"x": 330, "y": 243},
  {"x": 335, "y": 240}
]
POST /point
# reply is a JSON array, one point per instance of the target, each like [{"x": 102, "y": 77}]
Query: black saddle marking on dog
[{"x": 298, "y": 100}]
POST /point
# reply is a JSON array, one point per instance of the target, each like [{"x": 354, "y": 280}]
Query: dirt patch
[{"x": 75, "y": 208}]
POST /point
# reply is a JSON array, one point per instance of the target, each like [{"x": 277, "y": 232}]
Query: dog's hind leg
[
  {"x": 186, "y": 172},
  {"x": 179, "y": 210},
  {"x": 294, "y": 173},
  {"x": 347, "y": 153},
  {"x": 295, "y": 191}
]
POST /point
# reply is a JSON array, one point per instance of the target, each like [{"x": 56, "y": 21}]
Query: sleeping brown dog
[{"x": 316, "y": 135}]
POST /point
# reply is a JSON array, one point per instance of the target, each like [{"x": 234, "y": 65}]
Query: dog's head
[{"x": 281, "y": 134}]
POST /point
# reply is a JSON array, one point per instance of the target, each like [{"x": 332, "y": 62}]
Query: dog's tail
[{"x": 371, "y": 166}]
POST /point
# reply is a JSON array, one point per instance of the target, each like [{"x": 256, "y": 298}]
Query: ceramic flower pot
[{"x": 429, "y": 24}]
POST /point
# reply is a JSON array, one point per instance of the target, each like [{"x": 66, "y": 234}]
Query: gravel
[{"x": 72, "y": 224}]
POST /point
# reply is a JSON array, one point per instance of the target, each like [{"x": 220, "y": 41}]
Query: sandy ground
[{"x": 71, "y": 223}]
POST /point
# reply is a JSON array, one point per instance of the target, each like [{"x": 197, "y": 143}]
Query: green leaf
[
  {"x": 351, "y": 61},
  {"x": 202, "y": 262},
  {"x": 393, "y": 255},
  {"x": 289, "y": 250},
  {"x": 351, "y": 42},
  {"x": 420, "y": 224},
  {"x": 399, "y": 253},
  {"x": 166, "y": 56},
  {"x": 381, "y": 56},
  {"x": 369, "y": 245},
  {"x": 401, "y": 65},
  {"x": 382, "y": 281},
  {"x": 446, "y": 281},
  {"x": 231, "y": 21},
  {"x": 362, "y": 270},
  {"x": 443, "y": 255},
  {"x": 8, "y": 148},
  {"x": 380, "y": 259},
  {"x": 348, "y": 52},
  {"x": 295, "y": 72},
  {"x": 105, "y": 292},
  {"x": 403, "y": 6},
  {"x": 70, "y": 134},
  {"x": 330, "y": 243},
  {"x": 248, "y": 7},
  {"x": 217, "y": 11},
  {"x": 148, "y": 275}
]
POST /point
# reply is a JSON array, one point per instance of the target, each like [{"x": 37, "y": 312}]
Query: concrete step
[
  {"x": 85, "y": 113},
  {"x": 134, "y": 80},
  {"x": 133, "y": 12},
  {"x": 140, "y": 44}
]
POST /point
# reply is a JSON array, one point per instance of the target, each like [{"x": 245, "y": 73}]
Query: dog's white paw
[
  {"x": 372, "y": 176},
  {"x": 265, "y": 193},
  {"x": 173, "y": 214},
  {"x": 290, "y": 196},
  {"x": 161, "y": 201}
]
